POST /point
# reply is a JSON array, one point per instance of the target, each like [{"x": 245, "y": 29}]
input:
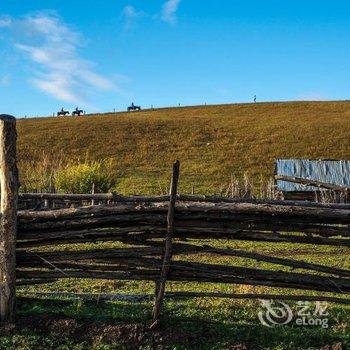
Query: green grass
[
  {"x": 212, "y": 142},
  {"x": 205, "y": 324}
]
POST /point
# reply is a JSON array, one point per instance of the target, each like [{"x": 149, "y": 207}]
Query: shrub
[{"x": 80, "y": 178}]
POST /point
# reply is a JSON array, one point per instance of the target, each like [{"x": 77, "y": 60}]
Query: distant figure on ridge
[
  {"x": 62, "y": 112},
  {"x": 254, "y": 98},
  {"x": 133, "y": 107},
  {"x": 77, "y": 112}
]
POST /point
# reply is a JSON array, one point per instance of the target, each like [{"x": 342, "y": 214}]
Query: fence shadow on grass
[{"x": 184, "y": 326}]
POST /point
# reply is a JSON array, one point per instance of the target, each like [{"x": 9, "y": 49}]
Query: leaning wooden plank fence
[{"x": 160, "y": 233}]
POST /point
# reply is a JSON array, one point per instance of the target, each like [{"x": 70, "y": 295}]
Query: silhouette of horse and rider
[
  {"x": 134, "y": 108},
  {"x": 62, "y": 112},
  {"x": 76, "y": 112}
]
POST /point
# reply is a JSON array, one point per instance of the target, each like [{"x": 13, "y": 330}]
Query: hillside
[{"x": 212, "y": 142}]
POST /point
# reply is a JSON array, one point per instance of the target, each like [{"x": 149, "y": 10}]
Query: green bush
[{"x": 80, "y": 178}]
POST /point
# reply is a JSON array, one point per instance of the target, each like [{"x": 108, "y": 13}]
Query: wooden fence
[{"x": 160, "y": 233}]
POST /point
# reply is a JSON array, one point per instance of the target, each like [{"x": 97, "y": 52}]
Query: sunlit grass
[{"x": 212, "y": 142}]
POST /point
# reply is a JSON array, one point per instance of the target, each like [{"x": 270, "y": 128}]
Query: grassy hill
[{"x": 212, "y": 142}]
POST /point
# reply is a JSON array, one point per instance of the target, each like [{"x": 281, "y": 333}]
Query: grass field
[{"x": 212, "y": 142}]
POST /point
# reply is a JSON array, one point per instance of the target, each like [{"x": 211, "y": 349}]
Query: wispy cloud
[
  {"x": 5, "y": 21},
  {"x": 167, "y": 13},
  {"x": 169, "y": 10},
  {"x": 131, "y": 13},
  {"x": 51, "y": 47}
]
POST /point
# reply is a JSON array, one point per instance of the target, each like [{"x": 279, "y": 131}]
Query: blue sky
[{"x": 101, "y": 55}]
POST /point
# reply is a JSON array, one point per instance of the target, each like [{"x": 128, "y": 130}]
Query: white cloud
[
  {"x": 169, "y": 10},
  {"x": 131, "y": 13},
  {"x": 5, "y": 21},
  {"x": 52, "y": 47}
]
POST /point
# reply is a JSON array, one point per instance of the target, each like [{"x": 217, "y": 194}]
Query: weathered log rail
[{"x": 42, "y": 201}]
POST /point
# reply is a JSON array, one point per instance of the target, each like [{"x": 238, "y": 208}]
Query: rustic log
[
  {"x": 96, "y": 254},
  {"x": 8, "y": 220},
  {"x": 275, "y": 210},
  {"x": 295, "y": 264},
  {"x": 254, "y": 223},
  {"x": 118, "y": 232},
  {"x": 181, "y": 270},
  {"x": 97, "y": 196},
  {"x": 340, "y": 285},
  {"x": 186, "y": 198},
  {"x": 257, "y": 236},
  {"x": 88, "y": 212},
  {"x": 141, "y": 233},
  {"x": 183, "y": 273},
  {"x": 132, "y": 235},
  {"x": 105, "y": 221},
  {"x": 111, "y": 264},
  {"x": 247, "y": 222}
]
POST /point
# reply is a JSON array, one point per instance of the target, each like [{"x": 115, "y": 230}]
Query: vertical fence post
[
  {"x": 160, "y": 285},
  {"x": 8, "y": 219}
]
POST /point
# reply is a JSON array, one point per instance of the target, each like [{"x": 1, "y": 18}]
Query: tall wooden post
[
  {"x": 8, "y": 218},
  {"x": 160, "y": 285}
]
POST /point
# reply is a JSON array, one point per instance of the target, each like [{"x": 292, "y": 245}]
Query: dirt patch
[{"x": 132, "y": 336}]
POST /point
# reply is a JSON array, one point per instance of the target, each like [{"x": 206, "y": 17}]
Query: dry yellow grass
[{"x": 212, "y": 142}]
